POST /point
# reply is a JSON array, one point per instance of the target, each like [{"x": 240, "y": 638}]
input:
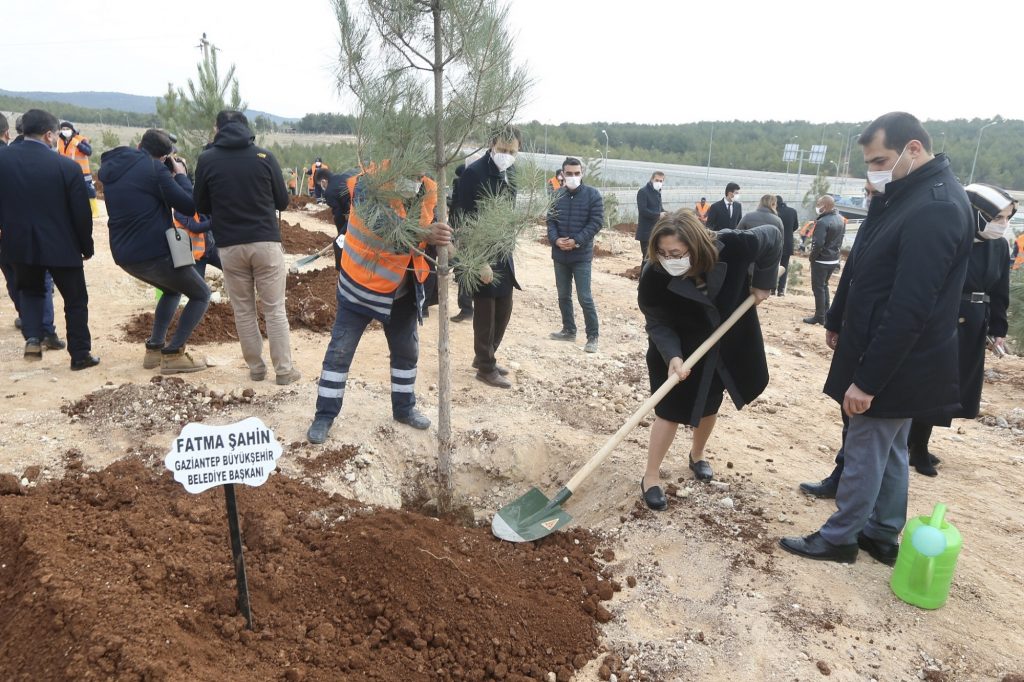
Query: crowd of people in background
[{"x": 922, "y": 294}]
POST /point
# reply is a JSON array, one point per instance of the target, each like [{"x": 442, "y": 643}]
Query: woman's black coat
[{"x": 680, "y": 317}]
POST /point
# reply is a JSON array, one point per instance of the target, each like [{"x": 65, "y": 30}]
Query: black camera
[{"x": 173, "y": 156}]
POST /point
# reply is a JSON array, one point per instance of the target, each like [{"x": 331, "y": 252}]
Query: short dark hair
[
  {"x": 507, "y": 133},
  {"x": 731, "y": 187},
  {"x": 322, "y": 174},
  {"x": 657, "y": 174},
  {"x": 38, "y": 122},
  {"x": 156, "y": 143},
  {"x": 18, "y": 127},
  {"x": 900, "y": 128},
  {"x": 226, "y": 116},
  {"x": 4, "y": 125},
  {"x": 571, "y": 161}
]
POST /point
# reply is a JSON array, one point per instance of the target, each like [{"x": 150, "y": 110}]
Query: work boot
[
  {"x": 462, "y": 316},
  {"x": 53, "y": 342},
  {"x": 493, "y": 378},
  {"x": 289, "y": 378},
  {"x": 415, "y": 419},
  {"x": 319, "y": 429},
  {"x": 179, "y": 362},
  {"x": 152, "y": 357},
  {"x": 563, "y": 335},
  {"x": 33, "y": 349}
]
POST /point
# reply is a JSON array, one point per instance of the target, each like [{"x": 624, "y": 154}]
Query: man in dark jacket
[
  {"x": 241, "y": 186},
  {"x": 47, "y": 226},
  {"x": 649, "y": 209},
  {"x": 465, "y": 299},
  {"x": 140, "y": 193},
  {"x": 790, "y": 223},
  {"x": 334, "y": 189},
  {"x": 826, "y": 243},
  {"x": 893, "y": 328},
  {"x": 725, "y": 213},
  {"x": 575, "y": 218},
  {"x": 491, "y": 175}
]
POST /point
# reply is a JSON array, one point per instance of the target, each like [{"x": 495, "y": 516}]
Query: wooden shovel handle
[{"x": 651, "y": 402}]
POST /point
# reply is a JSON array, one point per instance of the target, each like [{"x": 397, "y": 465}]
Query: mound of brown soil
[
  {"x": 632, "y": 273},
  {"x": 311, "y": 304},
  {"x": 601, "y": 252},
  {"x": 298, "y": 202},
  {"x": 326, "y": 215},
  {"x": 120, "y": 574},
  {"x": 625, "y": 228},
  {"x": 296, "y": 239}
]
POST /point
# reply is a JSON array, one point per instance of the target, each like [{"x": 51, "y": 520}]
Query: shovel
[
  {"x": 533, "y": 516},
  {"x": 306, "y": 260}
]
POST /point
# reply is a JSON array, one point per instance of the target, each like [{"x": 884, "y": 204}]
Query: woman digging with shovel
[{"x": 692, "y": 281}]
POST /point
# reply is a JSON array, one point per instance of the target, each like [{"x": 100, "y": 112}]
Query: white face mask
[
  {"x": 819, "y": 210},
  {"x": 675, "y": 266},
  {"x": 573, "y": 181},
  {"x": 993, "y": 230},
  {"x": 503, "y": 161},
  {"x": 66, "y": 134},
  {"x": 736, "y": 197},
  {"x": 658, "y": 184},
  {"x": 879, "y": 179}
]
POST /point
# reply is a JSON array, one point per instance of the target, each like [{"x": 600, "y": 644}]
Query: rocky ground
[{"x": 706, "y": 592}]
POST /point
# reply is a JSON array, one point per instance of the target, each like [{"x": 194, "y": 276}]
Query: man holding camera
[
  {"x": 141, "y": 187},
  {"x": 241, "y": 185}
]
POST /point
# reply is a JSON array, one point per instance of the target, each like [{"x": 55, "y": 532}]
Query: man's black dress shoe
[
  {"x": 84, "y": 363},
  {"x": 883, "y": 552},
  {"x": 816, "y": 547},
  {"x": 654, "y": 498},
  {"x": 825, "y": 489}
]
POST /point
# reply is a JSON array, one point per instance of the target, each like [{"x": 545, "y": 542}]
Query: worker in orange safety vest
[
  {"x": 701, "y": 209},
  {"x": 77, "y": 148},
  {"x": 315, "y": 190}
]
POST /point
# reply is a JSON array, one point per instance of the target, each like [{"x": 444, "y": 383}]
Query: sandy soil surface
[{"x": 715, "y": 598}]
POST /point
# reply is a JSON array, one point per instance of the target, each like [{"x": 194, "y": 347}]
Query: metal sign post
[{"x": 204, "y": 457}]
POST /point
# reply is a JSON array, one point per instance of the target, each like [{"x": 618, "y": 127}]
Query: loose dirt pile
[
  {"x": 311, "y": 304},
  {"x": 298, "y": 203},
  {"x": 119, "y": 574},
  {"x": 625, "y": 228},
  {"x": 163, "y": 402},
  {"x": 326, "y": 215},
  {"x": 296, "y": 239},
  {"x": 633, "y": 273}
]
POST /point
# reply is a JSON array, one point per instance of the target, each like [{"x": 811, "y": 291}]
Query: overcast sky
[{"x": 599, "y": 60}]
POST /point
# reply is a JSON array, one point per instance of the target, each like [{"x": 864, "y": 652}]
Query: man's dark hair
[
  {"x": 18, "y": 127},
  {"x": 227, "y": 116},
  {"x": 4, "y": 125},
  {"x": 779, "y": 200},
  {"x": 156, "y": 143},
  {"x": 571, "y": 161},
  {"x": 322, "y": 174},
  {"x": 506, "y": 133},
  {"x": 38, "y": 122},
  {"x": 900, "y": 128},
  {"x": 731, "y": 187}
]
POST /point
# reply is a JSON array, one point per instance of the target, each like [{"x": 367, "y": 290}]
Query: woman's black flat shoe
[
  {"x": 654, "y": 498},
  {"x": 701, "y": 469}
]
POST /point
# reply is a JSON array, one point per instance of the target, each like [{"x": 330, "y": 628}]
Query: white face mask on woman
[
  {"x": 993, "y": 230},
  {"x": 675, "y": 266}
]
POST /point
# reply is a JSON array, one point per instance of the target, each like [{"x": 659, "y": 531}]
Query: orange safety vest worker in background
[
  {"x": 77, "y": 148},
  {"x": 1020, "y": 252},
  {"x": 701, "y": 208},
  {"x": 554, "y": 184},
  {"x": 291, "y": 181},
  {"x": 313, "y": 168},
  {"x": 198, "y": 239}
]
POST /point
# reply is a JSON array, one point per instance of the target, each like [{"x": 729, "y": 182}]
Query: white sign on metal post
[
  {"x": 203, "y": 456},
  {"x": 817, "y": 153},
  {"x": 791, "y": 152}
]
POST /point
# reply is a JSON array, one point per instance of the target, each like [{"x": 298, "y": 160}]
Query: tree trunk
[{"x": 445, "y": 444}]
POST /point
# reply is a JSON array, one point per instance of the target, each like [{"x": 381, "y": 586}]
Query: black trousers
[
  {"x": 784, "y": 277},
  {"x": 490, "y": 320},
  {"x": 643, "y": 252},
  {"x": 70, "y": 282},
  {"x": 820, "y": 274}
]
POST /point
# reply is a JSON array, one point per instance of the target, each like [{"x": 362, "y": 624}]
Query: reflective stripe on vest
[
  {"x": 198, "y": 238},
  {"x": 367, "y": 261},
  {"x": 70, "y": 150}
]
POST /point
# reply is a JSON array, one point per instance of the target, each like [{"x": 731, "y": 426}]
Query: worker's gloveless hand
[
  {"x": 439, "y": 234},
  {"x": 856, "y": 401},
  {"x": 760, "y": 294},
  {"x": 831, "y": 339}
]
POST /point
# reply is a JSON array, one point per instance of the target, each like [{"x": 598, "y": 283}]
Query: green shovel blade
[{"x": 529, "y": 517}]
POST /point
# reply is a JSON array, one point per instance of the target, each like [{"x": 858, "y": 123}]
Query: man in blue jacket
[
  {"x": 893, "y": 327},
  {"x": 573, "y": 221},
  {"x": 140, "y": 193},
  {"x": 649, "y": 209},
  {"x": 47, "y": 226}
]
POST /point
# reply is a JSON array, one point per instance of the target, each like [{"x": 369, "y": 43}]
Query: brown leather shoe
[
  {"x": 503, "y": 371},
  {"x": 494, "y": 378}
]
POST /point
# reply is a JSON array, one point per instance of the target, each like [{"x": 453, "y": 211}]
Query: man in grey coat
[{"x": 827, "y": 241}]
